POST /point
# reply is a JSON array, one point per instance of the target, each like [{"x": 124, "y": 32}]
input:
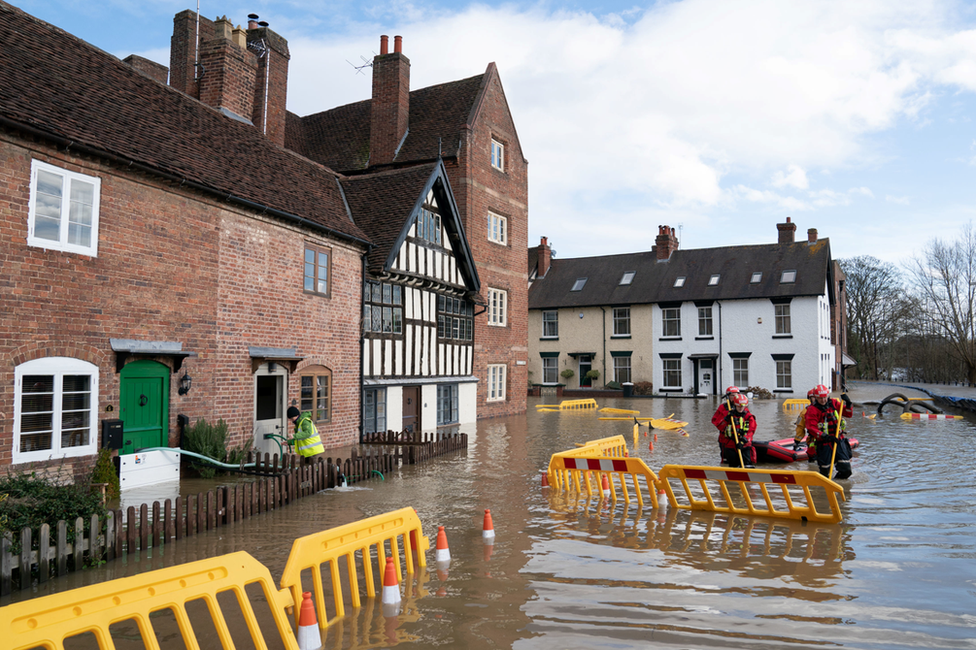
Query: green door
[{"x": 144, "y": 404}]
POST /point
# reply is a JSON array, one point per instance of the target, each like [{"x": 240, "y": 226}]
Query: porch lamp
[{"x": 185, "y": 382}]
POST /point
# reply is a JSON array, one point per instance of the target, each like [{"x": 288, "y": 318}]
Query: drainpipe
[
  {"x": 721, "y": 379},
  {"x": 604, "y": 345},
  {"x": 362, "y": 345}
]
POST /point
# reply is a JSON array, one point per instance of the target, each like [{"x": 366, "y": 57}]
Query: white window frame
[
  {"x": 705, "y": 321},
  {"x": 497, "y": 373},
  {"x": 756, "y": 277},
  {"x": 497, "y": 308},
  {"x": 621, "y": 364},
  {"x": 621, "y": 321},
  {"x": 627, "y": 277},
  {"x": 675, "y": 319},
  {"x": 784, "y": 374},
  {"x": 674, "y": 371},
  {"x": 497, "y": 155},
  {"x": 67, "y": 179},
  {"x": 550, "y": 324},
  {"x": 58, "y": 367},
  {"x": 497, "y": 228},
  {"x": 782, "y": 318},
  {"x": 740, "y": 371},
  {"x": 550, "y": 370}
]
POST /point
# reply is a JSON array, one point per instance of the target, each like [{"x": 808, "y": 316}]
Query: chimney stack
[
  {"x": 271, "y": 85},
  {"x": 390, "y": 105},
  {"x": 228, "y": 72},
  {"x": 665, "y": 243},
  {"x": 545, "y": 258},
  {"x": 812, "y": 236},
  {"x": 787, "y": 232}
]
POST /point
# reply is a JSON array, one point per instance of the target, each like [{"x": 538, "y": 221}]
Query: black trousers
[
  {"x": 731, "y": 456},
  {"x": 842, "y": 461}
]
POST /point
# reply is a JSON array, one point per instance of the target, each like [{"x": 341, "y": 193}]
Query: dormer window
[
  {"x": 628, "y": 277},
  {"x": 679, "y": 282},
  {"x": 756, "y": 277},
  {"x": 578, "y": 285},
  {"x": 713, "y": 281},
  {"x": 788, "y": 277}
]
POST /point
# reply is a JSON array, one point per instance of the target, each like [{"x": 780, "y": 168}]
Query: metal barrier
[
  {"x": 569, "y": 404},
  {"x": 795, "y": 405},
  {"x": 332, "y": 546},
  {"x": 139, "y": 601},
  {"x": 793, "y": 500},
  {"x": 577, "y": 471}
]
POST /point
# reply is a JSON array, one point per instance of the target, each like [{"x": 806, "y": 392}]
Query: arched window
[
  {"x": 55, "y": 402},
  {"x": 316, "y": 382}
]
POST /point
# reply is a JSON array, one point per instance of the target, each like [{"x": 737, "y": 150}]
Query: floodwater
[{"x": 565, "y": 572}]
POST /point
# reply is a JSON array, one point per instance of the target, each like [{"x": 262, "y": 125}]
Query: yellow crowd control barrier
[
  {"x": 613, "y": 446},
  {"x": 569, "y": 405},
  {"x": 795, "y": 405},
  {"x": 161, "y": 604},
  {"x": 611, "y": 410},
  {"x": 707, "y": 488},
  {"x": 576, "y": 472},
  {"x": 341, "y": 545}
]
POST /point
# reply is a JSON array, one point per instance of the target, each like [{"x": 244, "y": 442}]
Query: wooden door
[
  {"x": 411, "y": 409},
  {"x": 144, "y": 405}
]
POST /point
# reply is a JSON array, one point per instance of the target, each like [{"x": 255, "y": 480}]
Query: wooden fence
[{"x": 156, "y": 524}]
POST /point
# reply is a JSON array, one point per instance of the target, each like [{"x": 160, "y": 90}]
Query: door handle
[{"x": 143, "y": 400}]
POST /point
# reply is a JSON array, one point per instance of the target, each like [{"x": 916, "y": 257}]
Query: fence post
[
  {"x": 62, "y": 548},
  {"x": 94, "y": 547},
  {"x": 44, "y": 554},
  {"x": 130, "y": 530},
  {"x": 25, "y": 558},
  {"x": 6, "y": 564},
  {"x": 79, "y": 546},
  {"x": 144, "y": 527}
]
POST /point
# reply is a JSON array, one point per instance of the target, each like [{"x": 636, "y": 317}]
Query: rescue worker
[
  {"x": 722, "y": 412},
  {"x": 826, "y": 426},
  {"x": 801, "y": 429},
  {"x": 735, "y": 432},
  {"x": 306, "y": 441}
]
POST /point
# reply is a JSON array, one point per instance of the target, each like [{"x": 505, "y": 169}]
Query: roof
[
  {"x": 654, "y": 281},
  {"x": 64, "y": 89},
  {"x": 339, "y": 138}
]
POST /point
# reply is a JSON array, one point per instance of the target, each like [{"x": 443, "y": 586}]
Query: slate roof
[
  {"x": 654, "y": 281},
  {"x": 69, "y": 91},
  {"x": 339, "y": 138}
]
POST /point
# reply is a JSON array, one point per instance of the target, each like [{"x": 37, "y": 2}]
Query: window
[
  {"x": 316, "y": 393},
  {"x": 429, "y": 223},
  {"x": 712, "y": 281},
  {"x": 550, "y": 324},
  {"x": 579, "y": 284},
  {"x": 628, "y": 277},
  {"x": 550, "y": 370},
  {"x": 672, "y": 321},
  {"x": 679, "y": 282},
  {"x": 621, "y": 321},
  {"x": 382, "y": 308},
  {"x": 784, "y": 374},
  {"x": 374, "y": 410},
  {"x": 317, "y": 269},
  {"x": 63, "y": 211},
  {"x": 756, "y": 277},
  {"x": 704, "y": 321},
  {"x": 497, "y": 307},
  {"x": 496, "y": 383},
  {"x": 788, "y": 277},
  {"x": 782, "y": 319},
  {"x": 55, "y": 409},
  {"x": 497, "y": 155},
  {"x": 447, "y": 404},
  {"x": 621, "y": 368},
  {"x": 455, "y": 319},
  {"x": 740, "y": 371},
  {"x": 497, "y": 228},
  {"x": 672, "y": 373}
]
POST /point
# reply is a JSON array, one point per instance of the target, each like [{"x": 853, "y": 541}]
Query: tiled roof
[
  {"x": 67, "y": 89},
  {"x": 654, "y": 281},
  {"x": 339, "y": 138}
]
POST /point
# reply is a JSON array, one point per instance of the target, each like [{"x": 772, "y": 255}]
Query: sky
[{"x": 717, "y": 118}]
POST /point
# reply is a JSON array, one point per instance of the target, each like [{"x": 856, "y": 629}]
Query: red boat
[{"x": 781, "y": 451}]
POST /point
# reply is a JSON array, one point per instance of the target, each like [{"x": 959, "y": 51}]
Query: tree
[
  {"x": 876, "y": 313},
  {"x": 945, "y": 279}
]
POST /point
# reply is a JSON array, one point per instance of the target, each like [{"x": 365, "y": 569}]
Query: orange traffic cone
[
  {"x": 651, "y": 446},
  {"x": 308, "y": 636},
  {"x": 443, "y": 553},
  {"x": 655, "y": 437},
  {"x": 391, "y": 584},
  {"x": 662, "y": 499},
  {"x": 545, "y": 479},
  {"x": 606, "y": 486},
  {"x": 488, "y": 530}
]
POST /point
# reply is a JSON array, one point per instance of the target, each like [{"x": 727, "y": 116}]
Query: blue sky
[{"x": 717, "y": 118}]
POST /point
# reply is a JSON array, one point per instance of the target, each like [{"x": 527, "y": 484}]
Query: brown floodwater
[{"x": 567, "y": 572}]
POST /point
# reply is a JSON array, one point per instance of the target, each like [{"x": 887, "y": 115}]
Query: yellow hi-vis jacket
[{"x": 307, "y": 440}]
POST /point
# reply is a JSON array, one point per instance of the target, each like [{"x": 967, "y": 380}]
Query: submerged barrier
[
  {"x": 622, "y": 473},
  {"x": 569, "y": 405}
]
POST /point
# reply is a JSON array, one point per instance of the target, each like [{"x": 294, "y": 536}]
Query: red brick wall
[
  {"x": 277, "y": 85},
  {"x": 230, "y": 76},
  {"x": 183, "y": 50},
  {"x": 390, "y": 106},
  {"x": 171, "y": 266},
  {"x": 479, "y": 187}
]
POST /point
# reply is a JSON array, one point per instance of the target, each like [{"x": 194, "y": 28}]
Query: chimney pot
[
  {"x": 665, "y": 244},
  {"x": 252, "y": 21},
  {"x": 398, "y": 44},
  {"x": 545, "y": 258},
  {"x": 812, "y": 236},
  {"x": 384, "y": 44},
  {"x": 263, "y": 23},
  {"x": 787, "y": 232}
]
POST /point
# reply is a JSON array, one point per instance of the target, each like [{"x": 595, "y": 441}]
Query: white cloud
[
  {"x": 794, "y": 177},
  {"x": 900, "y": 200}
]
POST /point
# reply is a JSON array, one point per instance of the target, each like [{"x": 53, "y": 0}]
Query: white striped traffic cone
[
  {"x": 391, "y": 584},
  {"x": 488, "y": 530},
  {"x": 442, "y": 553},
  {"x": 308, "y": 636},
  {"x": 606, "y": 487}
]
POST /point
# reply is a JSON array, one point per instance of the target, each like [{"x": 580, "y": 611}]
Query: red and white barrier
[{"x": 929, "y": 416}]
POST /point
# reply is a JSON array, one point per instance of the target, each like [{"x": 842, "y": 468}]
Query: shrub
[
  {"x": 593, "y": 375},
  {"x": 104, "y": 472},
  {"x": 208, "y": 440},
  {"x": 643, "y": 388},
  {"x": 567, "y": 373},
  {"x": 758, "y": 392}
]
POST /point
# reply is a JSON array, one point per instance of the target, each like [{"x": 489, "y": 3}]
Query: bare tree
[
  {"x": 945, "y": 279},
  {"x": 876, "y": 313}
]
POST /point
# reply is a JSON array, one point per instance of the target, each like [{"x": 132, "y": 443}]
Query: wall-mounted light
[
  {"x": 186, "y": 381},
  {"x": 581, "y": 314},
  {"x": 759, "y": 320},
  {"x": 271, "y": 366}
]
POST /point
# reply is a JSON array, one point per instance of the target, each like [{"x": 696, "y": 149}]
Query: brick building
[{"x": 468, "y": 125}]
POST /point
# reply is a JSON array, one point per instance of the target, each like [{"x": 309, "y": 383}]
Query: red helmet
[
  {"x": 740, "y": 398},
  {"x": 821, "y": 391},
  {"x": 731, "y": 389},
  {"x": 811, "y": 394}
]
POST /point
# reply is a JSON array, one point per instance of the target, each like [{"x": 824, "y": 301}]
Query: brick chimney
[
  {"x": 545, "y": 258},
  {"x": 787, "y": 232},
  {"x": 151, "y": 69},
  {"x": 227, "y": 76},
  {"x": 183, "y": 50},
  {"x": 390, "y": 106},
  {"x": 812, "y": 236},
  {"x": 665, "y": 243},
  {"x": 271, "y": 86}
]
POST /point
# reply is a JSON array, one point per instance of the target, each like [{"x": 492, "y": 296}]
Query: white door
[
  {"x": 706, "y": 375},
  {"x": 269, "y": 408}
]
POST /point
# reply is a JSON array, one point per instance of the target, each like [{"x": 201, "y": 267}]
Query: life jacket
[{"x": 309, "y": 445}]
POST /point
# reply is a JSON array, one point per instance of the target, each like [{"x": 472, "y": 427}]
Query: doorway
[
  {"x": 144, "y": 405},
  {"x": 706, "y": 377},
  {"x": 270, "y": 396},
  {"x": 585, "y": 365},
  {"x": 411, "y": 409}
]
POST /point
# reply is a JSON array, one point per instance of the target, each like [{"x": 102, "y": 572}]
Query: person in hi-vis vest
[{"x": 306, "y": 441}]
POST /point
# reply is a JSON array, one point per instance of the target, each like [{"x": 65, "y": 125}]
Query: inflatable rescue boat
[{"x": 781, "y": 451}]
